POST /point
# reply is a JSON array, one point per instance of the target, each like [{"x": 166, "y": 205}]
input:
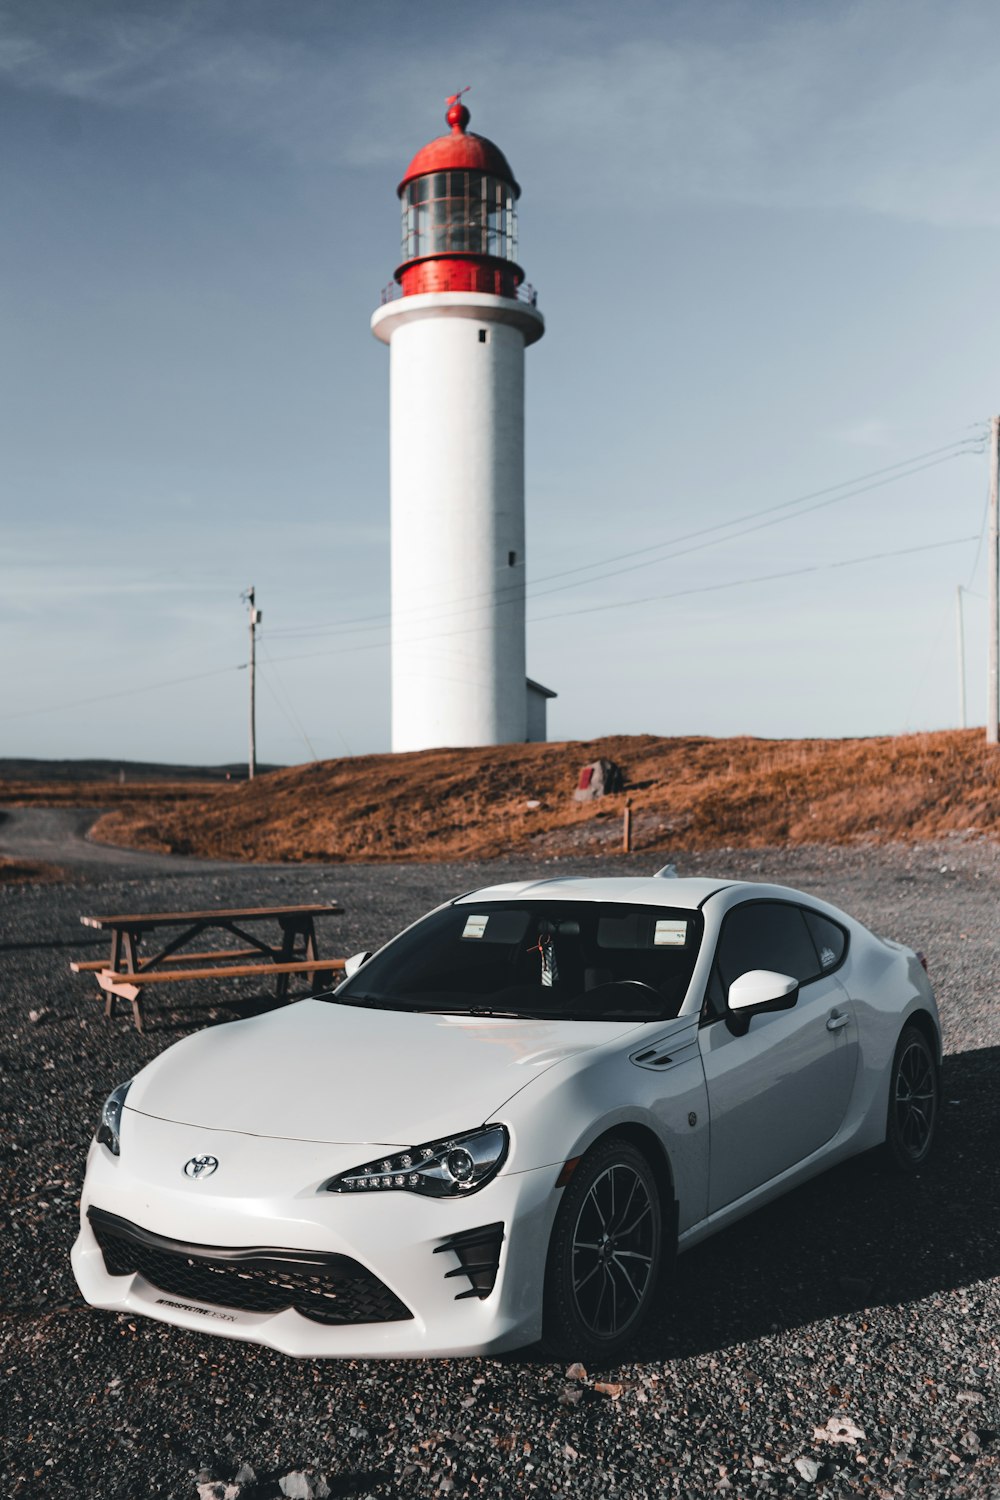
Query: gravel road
[
  {"x": 842, "y": 1342},
  {"x": 58, "y": 836}
]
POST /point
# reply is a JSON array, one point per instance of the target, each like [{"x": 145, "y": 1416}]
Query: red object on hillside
[{"x": 459, "y": 216}]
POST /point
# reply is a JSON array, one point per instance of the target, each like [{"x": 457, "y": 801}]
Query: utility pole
[
  {"x": 993, "y": 565},
  {"x": 255, "y": 619},
  {"x": 961, "y": 660}
]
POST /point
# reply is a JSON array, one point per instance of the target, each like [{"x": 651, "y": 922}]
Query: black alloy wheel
[
  {"x": 606, "y": 1254},
  {"x": 914, "y": 1102}
]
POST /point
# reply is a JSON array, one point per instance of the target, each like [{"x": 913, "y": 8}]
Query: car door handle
[{"x": 836, "y": 1022}]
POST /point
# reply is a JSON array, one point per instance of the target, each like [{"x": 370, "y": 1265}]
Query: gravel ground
[{"x": 841, "y": 1342}]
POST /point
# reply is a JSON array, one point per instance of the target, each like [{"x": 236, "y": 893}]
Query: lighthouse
[{"x": 457, "y": 318}]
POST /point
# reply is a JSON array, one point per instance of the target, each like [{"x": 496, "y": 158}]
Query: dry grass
[
  {"x": 21, "y": 871},
  {"x": 20, "y": 792},
  {"x": 686, "y": 793}
]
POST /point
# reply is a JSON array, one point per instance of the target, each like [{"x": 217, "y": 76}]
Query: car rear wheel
[
  {"x": 914, "y": 1102},
  {"x": 606, "y": 1254}
]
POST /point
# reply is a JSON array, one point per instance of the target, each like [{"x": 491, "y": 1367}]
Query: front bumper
[{"x": 422, "y": 1253}]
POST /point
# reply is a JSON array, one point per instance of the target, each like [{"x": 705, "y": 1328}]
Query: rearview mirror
[
  {"x": 762, "y": 990},
  {"x": 353, "y": 964}
]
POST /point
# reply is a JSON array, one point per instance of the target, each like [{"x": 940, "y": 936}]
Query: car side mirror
[
  {"x": 761, "y": 990},
  {"x": 353, "y": 964}
]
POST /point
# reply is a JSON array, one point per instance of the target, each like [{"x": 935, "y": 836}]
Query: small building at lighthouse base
[{"x": 537, "y": 711}]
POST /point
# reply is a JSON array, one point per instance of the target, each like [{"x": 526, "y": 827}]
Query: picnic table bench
[{"x": 131, "y": 965}]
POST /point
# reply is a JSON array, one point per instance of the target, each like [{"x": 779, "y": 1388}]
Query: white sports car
[{"x": 505, "y": 1122}]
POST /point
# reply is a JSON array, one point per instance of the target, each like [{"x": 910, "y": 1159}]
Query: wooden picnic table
[{"x": 135, "y": 961}]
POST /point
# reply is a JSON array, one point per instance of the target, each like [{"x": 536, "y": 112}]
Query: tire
[
  {"x": 604, "y": 1270},
  {"x": 914, "y": 1103}
]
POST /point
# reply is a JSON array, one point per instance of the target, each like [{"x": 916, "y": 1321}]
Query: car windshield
[{"x": 582, "y": 960}]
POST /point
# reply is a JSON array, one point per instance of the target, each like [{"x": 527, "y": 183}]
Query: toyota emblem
[{"x": 200, "y": 1166}]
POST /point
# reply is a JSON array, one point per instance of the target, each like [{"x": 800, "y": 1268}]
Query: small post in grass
[{"x": 627, "y": 826}]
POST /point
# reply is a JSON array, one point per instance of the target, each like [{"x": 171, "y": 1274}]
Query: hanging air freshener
[{"x": 550, "y": 969}]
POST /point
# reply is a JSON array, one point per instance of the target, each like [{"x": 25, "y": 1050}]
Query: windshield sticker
[
  {"x": 475, "y": 927},
  {"x": 669, "y": 934},
  {"x": 827, "y": 957}
]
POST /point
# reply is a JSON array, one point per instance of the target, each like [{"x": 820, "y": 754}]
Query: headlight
[
  {"x": 111, "y": 1117},
  {"x": 439, "y": 1169}
]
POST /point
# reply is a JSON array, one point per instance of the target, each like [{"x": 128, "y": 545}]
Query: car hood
[{"x": 319, "y": 1071}]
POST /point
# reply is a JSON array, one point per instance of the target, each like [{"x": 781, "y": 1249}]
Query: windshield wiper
[
  {"x": 372, "y": 1002},
  {"x": 472, "y": 1010}
]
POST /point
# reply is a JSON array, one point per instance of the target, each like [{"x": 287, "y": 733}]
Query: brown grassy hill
[
  {"x": 686, "y": 793},
  {"x": 92, "y": 792},
  {"x": 27, "y": 871}
]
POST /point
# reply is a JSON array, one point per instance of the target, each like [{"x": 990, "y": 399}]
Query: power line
[
  {"x": 710, "y": 588},
  {"x": 953, "y": 450},
  {"x": 129, "y": 692},
  {"x": 746, "y": 531},
  {"x": 288, "y": 710},
  {"x": 824, "y": 498},
  {"x": 929, "y": 657},
  {"x": 982, "y": 534},
  {"x": 290, "y": 713},
  {"x": 151, "y": 687},
  {"x": 631, "y": 603}
]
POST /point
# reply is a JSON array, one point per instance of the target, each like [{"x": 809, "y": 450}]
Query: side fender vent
[
  {"x": 666, "y": 1054},
  {"x": 478, "y": 1252}
]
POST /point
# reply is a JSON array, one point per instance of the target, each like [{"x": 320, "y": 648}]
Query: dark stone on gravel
[{"x": 860, "y": 1303}]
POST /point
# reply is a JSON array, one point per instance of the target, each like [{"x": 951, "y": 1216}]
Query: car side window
[
  {"x": 830, "y": 940},
  {"x": 761, "y": 935}
]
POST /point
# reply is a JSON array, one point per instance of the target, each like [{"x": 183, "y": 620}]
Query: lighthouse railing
[{"x": 524, "y": 293}]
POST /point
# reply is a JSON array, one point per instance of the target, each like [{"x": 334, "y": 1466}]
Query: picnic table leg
[
  {"x": 131, "y": 964},
  {"x": 284, "y": 954},
  {"x": 312, "y": 977},
  {"x": 291, "y": 927},
  {"x": 134, "y": 1001},
  {"x": 126, "y": 940},
  {"x": 116, "y": 958},
  {"x": 132, "y": 998}
]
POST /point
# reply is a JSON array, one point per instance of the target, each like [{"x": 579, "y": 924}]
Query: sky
[{"x": 765, "y": 242}]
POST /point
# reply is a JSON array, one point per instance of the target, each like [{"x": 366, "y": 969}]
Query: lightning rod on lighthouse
[{"x": 457, "y": 319}]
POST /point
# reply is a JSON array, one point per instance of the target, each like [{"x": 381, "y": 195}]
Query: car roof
[
  {"x": 647, "y": 890},
  {"x": 688, "y": 893}
]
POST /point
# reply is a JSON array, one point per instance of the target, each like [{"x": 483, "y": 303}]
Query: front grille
[{"x": 331, "y": 1289}]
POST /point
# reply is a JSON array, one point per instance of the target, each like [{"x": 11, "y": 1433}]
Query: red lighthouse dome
[{"x": 458, "y": 201}]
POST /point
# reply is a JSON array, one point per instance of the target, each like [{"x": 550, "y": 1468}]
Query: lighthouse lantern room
[{"x": 457, "y": 319}]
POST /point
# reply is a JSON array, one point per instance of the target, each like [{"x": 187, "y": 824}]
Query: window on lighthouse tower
[{"x": 459, "y": 212}]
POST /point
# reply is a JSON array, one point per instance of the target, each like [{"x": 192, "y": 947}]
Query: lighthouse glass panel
[{"x": 467, "y": 213}]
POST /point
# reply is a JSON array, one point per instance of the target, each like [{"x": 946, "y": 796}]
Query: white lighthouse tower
[{"x": 457, "y": 320}]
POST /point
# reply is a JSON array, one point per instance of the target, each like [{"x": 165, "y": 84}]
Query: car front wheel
[
  {"x": 914, "y": 1101},
  {"x": 606, "y": 1254}
]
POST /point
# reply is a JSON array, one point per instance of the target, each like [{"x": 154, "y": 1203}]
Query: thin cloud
[
  {"x": 829, "y": 110},
  {"x": 872, "y": 433},
  {"x": 883, "y": 109}
]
